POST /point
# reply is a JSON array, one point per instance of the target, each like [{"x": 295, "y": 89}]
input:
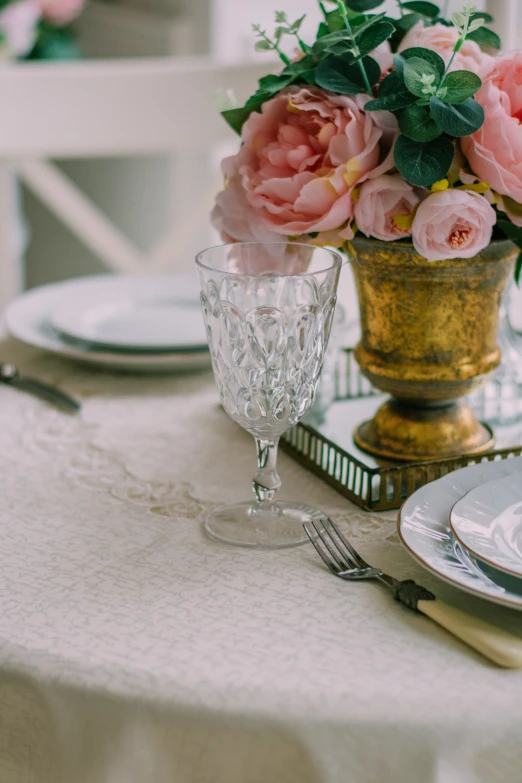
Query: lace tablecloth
[{"x": 135, "y": 649}]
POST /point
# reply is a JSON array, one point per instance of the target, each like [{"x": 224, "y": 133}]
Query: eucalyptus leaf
[
  {"x": 461, "y": 119},
  {"x": 339, "y": 74},
  {"x": 424, "y": 54},
  {"x": 426, "y": 9},
  {"x": 325, "y": 41},
  {"x": 482, "y": 15},
  {"x": 365, "y": 23},
  {"x": 361, "y": 6},
  {"x": 263, "y": 46},
  {"x": 373, "y": 36},
  {"x": 415, "y": 72},
  {"x": 416, "y": 123},
  {"x": 485, "y": 38},
  {"x": 511, "y": 231},
  {"x": 334, "y": 21},
  {"x": 408, "y": 21},
  {"x": 393, "y": 95},
  {"x": 460, "y": 85},
  {"x": 423, "y": 163}
]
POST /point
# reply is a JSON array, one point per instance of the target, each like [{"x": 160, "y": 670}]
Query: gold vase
[{"x": 428, "y": 338}]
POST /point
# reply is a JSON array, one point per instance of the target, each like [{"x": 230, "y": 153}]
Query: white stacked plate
[
  {"x": 467, "y": 529},
  {"x": 149, "y": 323}
]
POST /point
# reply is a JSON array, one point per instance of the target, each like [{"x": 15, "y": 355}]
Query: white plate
[
  {"x": 133, "y": 313},
  {"x": 425, "y": 532},
  {"x": 488, "y": 522},
  {"x": 28, "y": 319}
]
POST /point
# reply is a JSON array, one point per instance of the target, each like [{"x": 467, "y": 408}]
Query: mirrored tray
[{"x": 323, "y": 443}]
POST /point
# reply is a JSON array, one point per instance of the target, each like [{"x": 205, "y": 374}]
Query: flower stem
[{"x": 342, "y": 8}]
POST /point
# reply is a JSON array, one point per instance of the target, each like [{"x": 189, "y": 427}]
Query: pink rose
[
  {"x": 453, "y": 224},
  {"x": 442, "y": 40},
  {"x": 295, "y": 173},
  {"x": 380, "y": 200},
  {"x": 18, "y": 23},
  {"x": 494, "y": 152},
  {"x": 61, "y": 12}
]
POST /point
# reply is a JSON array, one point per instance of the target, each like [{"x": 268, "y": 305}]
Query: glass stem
[{"x": 266, "y": 481}]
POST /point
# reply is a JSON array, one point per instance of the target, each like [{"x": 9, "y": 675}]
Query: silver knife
[{"x": 9, "y": 374}]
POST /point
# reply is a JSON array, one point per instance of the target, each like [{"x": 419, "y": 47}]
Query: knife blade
[{"x": 9, "y": 375}]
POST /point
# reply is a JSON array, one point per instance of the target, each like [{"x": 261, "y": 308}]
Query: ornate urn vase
[{"x": 428, "y": 339}]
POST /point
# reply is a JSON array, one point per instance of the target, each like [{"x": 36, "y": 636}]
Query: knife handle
[{"x": 499, "y": 646}]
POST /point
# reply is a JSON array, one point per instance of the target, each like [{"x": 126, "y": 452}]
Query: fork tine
[
  {"x": 329, "y": 563},
  {"x": 333, "y": 551},
  {"x": 347, "y": 560},
  {"x": 355, "y": 555}
]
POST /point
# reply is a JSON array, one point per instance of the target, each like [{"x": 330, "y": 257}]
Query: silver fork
[{"x": 344, "y": 561}]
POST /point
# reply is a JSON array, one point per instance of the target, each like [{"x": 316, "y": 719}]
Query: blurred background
[{"x": 143, "y": 195}]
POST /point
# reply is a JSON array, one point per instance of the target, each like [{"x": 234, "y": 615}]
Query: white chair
[{"x": 106, "y": 108}]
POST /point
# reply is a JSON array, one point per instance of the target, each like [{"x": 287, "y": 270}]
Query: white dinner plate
[
  {"x": 133, "y": 313},
  {"x": 28, "y": 319},
  {"x": 425, "y": 532},
  {"x": 488, "y": 522}
]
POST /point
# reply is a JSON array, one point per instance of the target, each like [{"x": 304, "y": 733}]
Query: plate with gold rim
[
  {"x": 425, "y": 532},
  {"x": 488, "y": 523}
]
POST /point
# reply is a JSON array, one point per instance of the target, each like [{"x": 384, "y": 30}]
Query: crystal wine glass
[{"x": 268, "y": 309}]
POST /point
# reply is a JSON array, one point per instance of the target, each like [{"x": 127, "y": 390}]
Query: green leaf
[
  {"x": 263, "y": 46},
  {"x": 482, "y": 15},
  {"x": 275, "y": 82},
  {"x": 424, "y": 8},
  {"x": 373, "y": 36},
  {"x": 393, "y": 95},
  {"x": 408, "y": 21},
  {"x": 236, "y": 118},
  {"x": 424, "y": 54},
  {"x": 511, "y": 231},
  {"x": 361, "y": 6},
  {"x": 460, "y": 85},
  {"x": 423, "y": 163},
  {"x": 334, "y": 21},
  {"x": 322, "y": 31},
  {"x": 518, "y": 268},
  {"x": 485, "y": 38},
  {"x": 338, "y": 73},
  {"x": 416, "y": 123},
  {"x": 365, "y": 24},
  {"x": 415, "y": 70},
  {"x": 325, "y": 41},
  {"x": 460, "y": 119}
]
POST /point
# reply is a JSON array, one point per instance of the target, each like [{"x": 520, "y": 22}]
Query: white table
[{"x": 133, "y": 648}]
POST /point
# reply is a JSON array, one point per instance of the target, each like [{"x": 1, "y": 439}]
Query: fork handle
[{"x": 499, "y": 646}]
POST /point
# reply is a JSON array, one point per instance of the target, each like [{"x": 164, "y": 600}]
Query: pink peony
[
  {"x": 380, "y": 200},
  {"x": 295, "y": 173},
  {"x": 18, "y": 23},
  {"x": 61, "y": 12},
  {"x": 442, "y": 40},
  {"x": 452, "y": 224},
  {"x": 494, "y": 152}
]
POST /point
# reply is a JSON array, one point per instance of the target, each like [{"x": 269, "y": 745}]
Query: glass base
[{"x": 262, "y": 525}]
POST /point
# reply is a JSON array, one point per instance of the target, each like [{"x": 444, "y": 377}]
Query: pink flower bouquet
[
  {"x": 400, "y": 128},
  {"x": 38, "y": 29}
]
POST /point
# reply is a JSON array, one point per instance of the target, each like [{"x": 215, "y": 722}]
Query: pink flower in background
[
  {"x": 61, "y": 12},
  {"x": 384, "y": 56},
  {"x": 452, "y": 224},
  {"x": 295, "y": 173},
  {"x": 494, "y": 152},
  {"x": 18, "y": 23},
  {"x": 442, "y": 40},
  {"x": 380, "y": 201}
]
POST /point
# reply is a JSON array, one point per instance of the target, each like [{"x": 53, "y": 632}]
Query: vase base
[{"x": 411, "y": 433}]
